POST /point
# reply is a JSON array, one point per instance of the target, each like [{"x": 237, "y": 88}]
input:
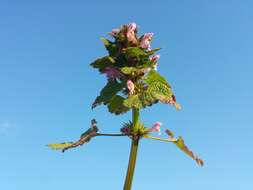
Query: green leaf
[
  {"x": 156, "y": 91},
  {"x": 110, "y": 46},
  {"x": 116, "y": 105},
  {"x": 133, "y": 101},
  {"x": 134, "y": 52},
  {"x": 59, "y": 146},
  {"x": 153, "y": 51},
  {"x": 138, "y": 70},
  {"x": 154, "y": 76},
  {"x": 128, "y": 70},
  {"x": 107, "y": 93},
  {"x": 160, "y": 91},
  {"x": 160, "y": 88},
  {"x": 103, "y": 62}
]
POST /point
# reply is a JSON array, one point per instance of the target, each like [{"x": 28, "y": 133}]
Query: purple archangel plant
[{"x": 133, "y": 83}]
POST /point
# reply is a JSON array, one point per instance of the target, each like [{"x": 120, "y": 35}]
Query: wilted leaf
[
  {"x": 180, "y": 144},
  {"x": 85, "y": 137}
]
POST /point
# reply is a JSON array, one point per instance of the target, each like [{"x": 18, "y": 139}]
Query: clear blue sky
[{"x": 47, "y": 87}]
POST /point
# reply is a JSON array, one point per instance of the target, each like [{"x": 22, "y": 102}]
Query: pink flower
[
  {"x": 114, "y": 32},
  {"x": 145, "y": 41},
  {"x": 112, "y": 73},
  {"x": 156, "y": 127},
  {"x": 131, "y": 28},
  {"x": 155, "y": 58},
  {"x": 130, "y": 86}
]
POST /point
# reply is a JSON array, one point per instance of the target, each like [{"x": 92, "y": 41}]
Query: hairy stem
[{"x": 133, "y": 152}]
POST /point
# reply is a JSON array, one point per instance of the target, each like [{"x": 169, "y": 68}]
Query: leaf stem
[
  {"x": 133, "y": 152},
  {"x": 160, "y": 139}
]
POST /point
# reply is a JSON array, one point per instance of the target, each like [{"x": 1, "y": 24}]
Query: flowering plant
[{"x": 133, "y": 83}]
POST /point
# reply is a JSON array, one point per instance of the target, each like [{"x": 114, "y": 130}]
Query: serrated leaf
[
  {"x": 107, "y": 93},
  {"x": 161, "y": 88},
  {"x": 103, "y": 62},
  {"x": 154, "y": 76},
  {"x": 155, "y": 92},
  {"x": 60, "y": 146},
  {"x": 116, "y": 105},
  {"x": 160, "y": 91},
  {"x": 181, "y": 145}
]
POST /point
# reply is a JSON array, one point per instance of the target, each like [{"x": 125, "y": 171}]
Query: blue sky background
[{"x": 47, "y": 87}]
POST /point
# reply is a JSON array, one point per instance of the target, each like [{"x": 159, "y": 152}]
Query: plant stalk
[{"x": 133, "y": 152}]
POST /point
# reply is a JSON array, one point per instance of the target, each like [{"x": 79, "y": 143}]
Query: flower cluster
[
  {"x": 126, "y": 36},
  {"x": 131, "y": 70}
]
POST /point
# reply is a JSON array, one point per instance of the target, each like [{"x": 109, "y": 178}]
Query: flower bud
[
  {"x": 131, "y": 29},
  {"x": 145, "y": 41},
  {"x": 154, "y": 58},
  {"x": 130, "y": 86}
]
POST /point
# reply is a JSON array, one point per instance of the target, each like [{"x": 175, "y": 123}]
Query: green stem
[{"x": 133, "y": 152}]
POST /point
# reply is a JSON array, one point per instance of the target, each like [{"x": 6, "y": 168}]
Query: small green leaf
[
  {"x": 128, "y": 70},
  {"x": 153, "y": 51},
  {"x": 105, "y": 41},
  {"x": 110, "y": 46},
  {"x": 103, "y": 62},
  {"x": 59, "y": 146},
  {"x": 134, "y": 52}
]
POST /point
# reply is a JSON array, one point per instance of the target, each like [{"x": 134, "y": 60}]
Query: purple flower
[
  {"x": 131, "y": 28},
  {"x": 130, "y": 86},
  {"x": 145, "y": 41},
  {"x": 112, "y": 73}
]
